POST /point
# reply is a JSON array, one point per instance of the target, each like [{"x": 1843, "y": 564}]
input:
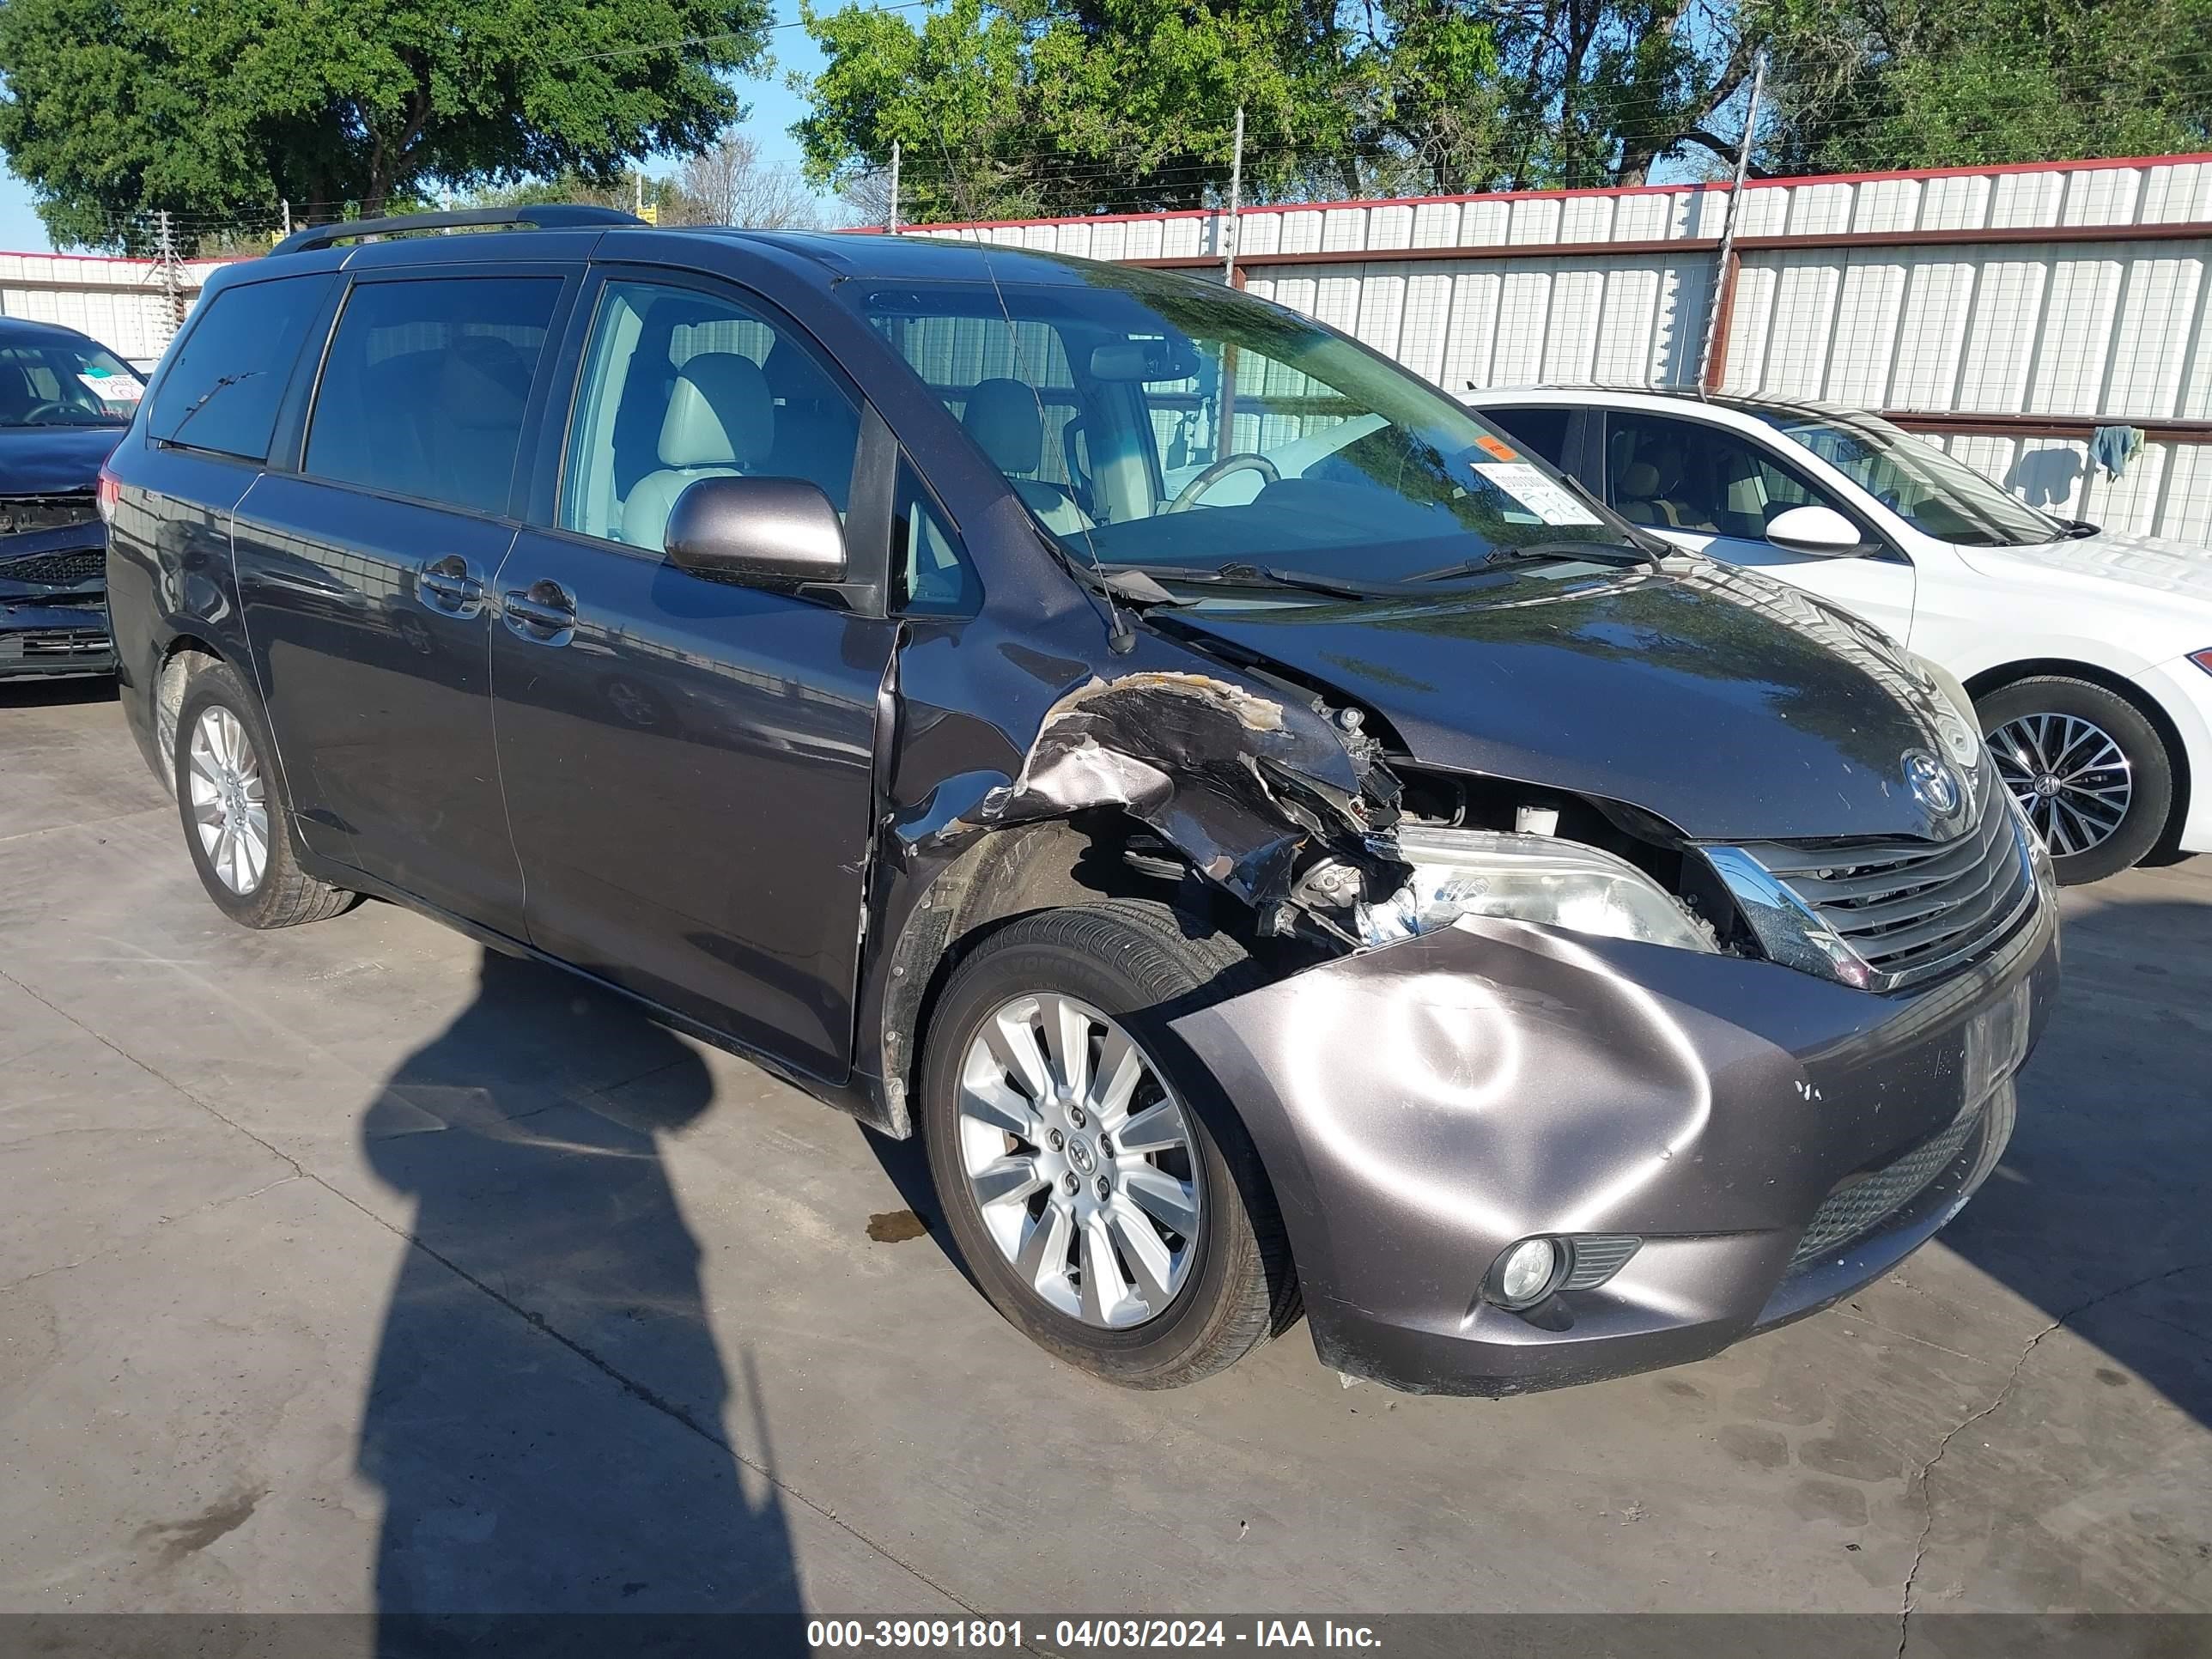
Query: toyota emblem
[{"x": 1933, "y": 784}]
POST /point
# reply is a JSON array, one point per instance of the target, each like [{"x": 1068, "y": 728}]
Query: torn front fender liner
[
  {"x": 1238, "y": 780},
  {"x": 1420, "y": 1107}
]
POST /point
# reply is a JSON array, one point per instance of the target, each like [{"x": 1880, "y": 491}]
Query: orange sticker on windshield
[{"x": 1497, "y": 448}]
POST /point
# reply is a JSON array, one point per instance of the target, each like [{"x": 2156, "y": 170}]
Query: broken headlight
[{"x": 1539, "y": 878}]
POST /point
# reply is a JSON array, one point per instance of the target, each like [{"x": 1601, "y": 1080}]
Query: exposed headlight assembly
[{"x": 1540, "y": 879}]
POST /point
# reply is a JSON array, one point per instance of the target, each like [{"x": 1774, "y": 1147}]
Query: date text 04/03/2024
[{"x": 991, "y": 1634}]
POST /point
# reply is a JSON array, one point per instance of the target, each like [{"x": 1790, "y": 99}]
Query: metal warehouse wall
[
  {"x": 2001, "y": 312},
  {"x": 121, "y": 303}
]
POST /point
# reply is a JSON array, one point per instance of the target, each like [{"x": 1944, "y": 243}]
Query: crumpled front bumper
[
  {"x": 38, "y": 637},
  {"x": 1420, "y": 1107}
]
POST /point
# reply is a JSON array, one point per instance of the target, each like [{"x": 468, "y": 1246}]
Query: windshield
[
  {"x": 1159, "y": 423},
  {"x": 63, "y": 383},
  {"x": 1933, "y": 493}
]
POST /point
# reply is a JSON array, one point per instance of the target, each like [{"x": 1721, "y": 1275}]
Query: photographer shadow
[{"x": 544, "y": 1416}]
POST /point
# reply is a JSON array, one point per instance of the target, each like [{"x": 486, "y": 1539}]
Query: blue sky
[{"x": 773, "y": 109}]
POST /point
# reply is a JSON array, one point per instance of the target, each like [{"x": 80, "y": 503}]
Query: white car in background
[{"x": 2088, "y": 654}]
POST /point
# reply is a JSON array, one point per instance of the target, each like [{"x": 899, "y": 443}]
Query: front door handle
[
  {"x": 447, "y": 586},
  {"x": 544, "y": 613}
]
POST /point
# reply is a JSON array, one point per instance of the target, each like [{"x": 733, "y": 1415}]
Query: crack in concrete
[
  {"x": 160, "y": 1222},
  {"x": 1927, "y": 1471},
  {"x": 644, "y": 1394}
]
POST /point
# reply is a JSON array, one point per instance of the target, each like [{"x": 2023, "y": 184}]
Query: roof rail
[{"x": 551, "y": 215}]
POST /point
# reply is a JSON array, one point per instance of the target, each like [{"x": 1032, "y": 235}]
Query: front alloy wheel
[
  {"x": 230, "y": 802},
  {"x": 2069, "y": 776},
  {"x": 1100, "y": 1189},
  {"x": 1079, "y": 1159},
  {"x": 2089, "y": 770}
]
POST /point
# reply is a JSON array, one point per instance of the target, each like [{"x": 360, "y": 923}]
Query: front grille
[
  {"x": 56, "y": 569},
  {"x": 76, "y": 642},
  {"x": 1911, "y": 911},
  {"x": 20, "y": 514},
  {"x": 1864, "y": 1202}
]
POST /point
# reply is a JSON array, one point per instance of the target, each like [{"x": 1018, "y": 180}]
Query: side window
[
  {"x": 680, "y": 386},
  {"x": 1542, "y": 428},
  {"x": 226, "y": 378},
  {"x": 1685, "y": 475},
  {"x": 1010, "y": 385},
  {"x": 424, "y": 386},
  {"x": 930, "y": 572}
]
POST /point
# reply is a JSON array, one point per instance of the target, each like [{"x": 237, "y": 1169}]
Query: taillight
[{"x": 105, "y": 496}]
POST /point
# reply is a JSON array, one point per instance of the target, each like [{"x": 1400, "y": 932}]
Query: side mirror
[
  {"x": 763, "y": 532},
  {"x": 1820, "y": 530}
]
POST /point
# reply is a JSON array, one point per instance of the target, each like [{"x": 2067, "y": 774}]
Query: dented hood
[{"x": 1733, "y": 708}]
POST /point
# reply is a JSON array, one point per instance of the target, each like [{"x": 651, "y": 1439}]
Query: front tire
[
  {"x": 1107, "y": 1202},
  {"x": 236, "y": 817},
  {"x": 2089, "y": 770}
]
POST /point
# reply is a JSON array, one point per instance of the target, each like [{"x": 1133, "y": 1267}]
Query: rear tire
[
  {"x": 236, "y": 816},
  {"x": 2090, "y": 771},
  {"x": 1181, "y": 1306}
]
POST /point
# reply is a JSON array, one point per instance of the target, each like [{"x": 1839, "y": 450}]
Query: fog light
[{"x": 1525, "y": 1273}]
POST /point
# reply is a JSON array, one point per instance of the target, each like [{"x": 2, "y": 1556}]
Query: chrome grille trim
[{"x": 1890, "y": 914}]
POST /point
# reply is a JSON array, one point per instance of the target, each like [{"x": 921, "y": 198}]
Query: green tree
[
  {"x": 1010, "y": 108},
  {"x": 216, "y": 110},
  {"x": 1969, "y": 82},
  {"x": 1004, "y": 108}
]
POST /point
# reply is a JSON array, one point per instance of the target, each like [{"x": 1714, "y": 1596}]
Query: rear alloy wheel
[
  {"x": 1105, "y": 1198},
  {"x": 2091, "y": 774},
  {"x": 232, "y": 802}
]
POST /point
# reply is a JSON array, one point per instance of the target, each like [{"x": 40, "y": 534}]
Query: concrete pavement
[{"x": 344, "y": 1268}]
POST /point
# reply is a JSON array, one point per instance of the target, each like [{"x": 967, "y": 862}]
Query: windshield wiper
[
  {"x": 1241, "y": 573},
  {"x": 1612, "y": 553}
]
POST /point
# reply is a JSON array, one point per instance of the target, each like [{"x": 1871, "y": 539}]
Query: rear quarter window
[
  {"x": 222, "y": 390},
  {"x": 425, "y": 385}
]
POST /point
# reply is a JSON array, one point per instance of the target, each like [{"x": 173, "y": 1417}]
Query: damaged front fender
[{"x": 1243, "y": 784}]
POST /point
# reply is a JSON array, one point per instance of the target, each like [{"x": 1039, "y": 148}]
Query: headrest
[
  {"x": 1002, "y": 416},
  {"x": 1640, "y": 480},
  {"x": 720, "y": 414}
]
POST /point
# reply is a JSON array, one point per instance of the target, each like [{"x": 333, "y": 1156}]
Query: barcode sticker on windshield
[{"x": 1553, "y": 503}]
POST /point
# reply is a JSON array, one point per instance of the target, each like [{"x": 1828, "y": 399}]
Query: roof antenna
[{"x": 1121, "y": 632}]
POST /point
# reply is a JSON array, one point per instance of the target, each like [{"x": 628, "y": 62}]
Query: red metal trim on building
[
  {"x": 2189, "y": 230},
  {"x": 2096, "y": 164}
]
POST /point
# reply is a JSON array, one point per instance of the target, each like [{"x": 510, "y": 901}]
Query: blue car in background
[{"x": 65, "y": 399}]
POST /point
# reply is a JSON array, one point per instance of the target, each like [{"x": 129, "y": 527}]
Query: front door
[
  {"x": 1712, "y": 489},
  {"x": 687, "y": 761},
  {"x": 364, "y": 577}
]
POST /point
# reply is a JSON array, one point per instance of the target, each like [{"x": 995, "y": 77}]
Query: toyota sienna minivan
[{"x": 1280, "y": 845}]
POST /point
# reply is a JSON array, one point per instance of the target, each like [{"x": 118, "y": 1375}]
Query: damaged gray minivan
[{"x": 1280, "y": 845}]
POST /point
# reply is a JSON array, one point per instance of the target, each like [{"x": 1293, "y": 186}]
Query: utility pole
[
  {"x": 1724, "y": 269},
  {"x": 890, "y": 218},
  {"x": 638, "y": 204},
  {"x": 287, "y": 205},
  {"x": 173, "y": 295},
  {"x": 1236, "y": 200}
]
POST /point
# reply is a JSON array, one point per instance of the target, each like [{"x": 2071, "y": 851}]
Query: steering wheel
[
  {"x": 37, "y": 412},
  {"x": 1244, "y": 461}
]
